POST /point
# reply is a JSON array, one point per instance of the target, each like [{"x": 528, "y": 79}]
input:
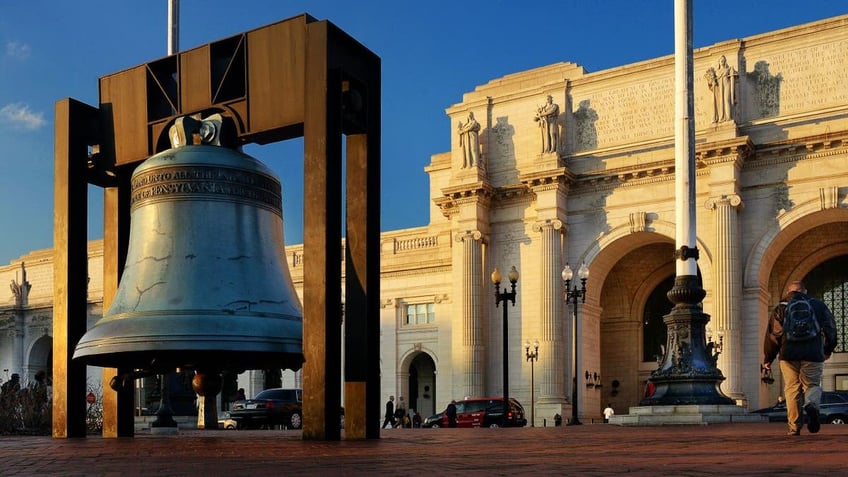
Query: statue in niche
[
  {"x": 469, "y": 141},
  {"x": 722, "y": 83},
  {"x": 546, "y": 116}
]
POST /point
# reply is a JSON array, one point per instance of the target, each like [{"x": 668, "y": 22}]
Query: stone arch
[
  {"x": 604, "y": 253},
  {"x": 39, "y": 357},
  {"x": 781, "y": 255},
  {"x": 618, "y": 295},
  {"x": 417, "y": 380},
  {"x": 779, "y": 235}
]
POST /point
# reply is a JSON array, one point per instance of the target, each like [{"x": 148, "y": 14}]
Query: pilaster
[
  {"x": 551, "y": 336},
  {"x": 726, "y": 319},
  {"x": 473, "y": 349}
]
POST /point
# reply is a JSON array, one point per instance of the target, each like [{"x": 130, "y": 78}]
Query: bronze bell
[{"x": 205, "y": 284}]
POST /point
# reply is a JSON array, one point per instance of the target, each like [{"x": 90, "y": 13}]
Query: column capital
[
  {"x": 732, "y": 200},
  {"x": 554, "y": 224},
  {"x": 468, "y": 235}
]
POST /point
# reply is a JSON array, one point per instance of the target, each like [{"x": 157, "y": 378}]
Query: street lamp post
[
  {"x": 571, "y": 296},
  {"x": 532, "y": 356},
  {"x": 504, "y": 297}
]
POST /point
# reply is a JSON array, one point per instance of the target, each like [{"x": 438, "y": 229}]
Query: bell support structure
[{"x": 298, "y": 77}]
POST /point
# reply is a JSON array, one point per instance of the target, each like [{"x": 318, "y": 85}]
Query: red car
[{"x": 482, "y": 412}]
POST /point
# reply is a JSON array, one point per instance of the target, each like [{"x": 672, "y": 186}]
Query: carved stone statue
[
  {"x": 547, "y": 116},
  {"x": 21, "y": 289},
  {"x": 722, "y": 83},
  {"x": 469, "y": 141}
]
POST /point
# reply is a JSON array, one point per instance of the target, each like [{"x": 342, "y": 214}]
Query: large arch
[
  {"x": 798, "y": 242},
  {"x": 626, "y": 268},
  {"x": 417, "y": 371},
  {"x": 39, "y": 357}
]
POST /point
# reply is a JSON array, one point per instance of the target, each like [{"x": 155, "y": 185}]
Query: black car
[
  {"x": 833, "y": 408},
  {"x": 433, "y": 421},
  {"x": 270, "y": 408}
]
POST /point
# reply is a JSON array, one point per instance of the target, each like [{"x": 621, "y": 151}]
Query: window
[
  {"x": 420, "y": 314},
  {"x": 829, "y": 282}
]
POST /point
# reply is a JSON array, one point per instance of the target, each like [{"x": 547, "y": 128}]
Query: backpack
[{"x": 799, "y": 320}]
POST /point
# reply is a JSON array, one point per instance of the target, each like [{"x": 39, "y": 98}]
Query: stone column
[
  {"x": 473, "y": 347},
  {"x": 726, "y": 319},
  {"x": 551, "y": 365},
  {"x": 18, "y": 348}
]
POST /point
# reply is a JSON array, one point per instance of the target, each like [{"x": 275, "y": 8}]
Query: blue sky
[{"x": 432, "y": 52}]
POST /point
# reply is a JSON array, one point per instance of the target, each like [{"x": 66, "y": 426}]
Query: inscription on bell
[{"x": 237, "y": 184}]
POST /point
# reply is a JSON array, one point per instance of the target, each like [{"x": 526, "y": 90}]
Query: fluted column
[
  {"x": 473, "y": 348},
  {"x": 551, "y": 365},
  {"x": 726, "y": 320}
]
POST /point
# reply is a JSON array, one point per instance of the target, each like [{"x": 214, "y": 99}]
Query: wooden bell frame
[{"x": 299, "y": 77}]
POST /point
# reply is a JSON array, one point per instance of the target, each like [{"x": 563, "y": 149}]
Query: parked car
[
  {"x": 833, "y": 407},
  {"x": 271, "y": 407},
  {"x": 224, "y": 421},
  {"x": 433, "y": 421},
  {"x": 482, "y": 412}
]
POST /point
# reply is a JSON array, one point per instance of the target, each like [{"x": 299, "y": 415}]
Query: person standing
[
  {"x": 451, "y": 412},
  {"x": 390, "y": 413},
  {"x": 608, "y": 412},
  {"x": 400, "y": 412},
  {"x": 802, "y": 355}
]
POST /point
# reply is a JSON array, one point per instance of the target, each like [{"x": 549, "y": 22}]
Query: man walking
[
  {"x": 390, "y": 413},
  {"x": 802, "y": 331}
]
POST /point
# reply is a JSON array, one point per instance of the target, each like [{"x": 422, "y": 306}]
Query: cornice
[
  {"x": 514, "y": 193},
  {"x": 737, "y": 149},
  {"x": 417, "y": 272},
  {"x": 456, "y": 195},
  {"x": 471, "y": 189},
  {"x": 811, "y": 147},
  {"x": 607, "y": 179},
  {"x": 548, "y": 178}
]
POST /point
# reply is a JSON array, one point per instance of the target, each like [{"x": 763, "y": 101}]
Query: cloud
[
  {"x": 18, "y": 50},
  {"x": 19, "y": 116}
]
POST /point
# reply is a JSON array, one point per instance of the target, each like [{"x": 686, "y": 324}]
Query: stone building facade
[{"x": 569, "y": 166}]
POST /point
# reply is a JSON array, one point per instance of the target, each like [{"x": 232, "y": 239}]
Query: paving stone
[{"x": 589, "y": 449}]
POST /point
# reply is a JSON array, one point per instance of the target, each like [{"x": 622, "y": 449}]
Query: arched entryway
[
  {"x": 40, "y": 358},
  {"x": 422, "y": 384},
  {"x": 632, "y": 328},
  {"x": 809, "y": 244}
]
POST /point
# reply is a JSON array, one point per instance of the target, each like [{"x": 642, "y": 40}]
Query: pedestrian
[
  {"x": 451, "y": 412},
  {"x": 390, "y": 413},
  {"x": 608, "y": 412},
  {"x": 13, "y": 385},
  {"x": 400, "y": 413},
  {"x": 802, "y": 332}
]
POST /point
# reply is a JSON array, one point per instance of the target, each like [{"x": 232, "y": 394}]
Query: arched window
[{"x": 829, "y": 282}]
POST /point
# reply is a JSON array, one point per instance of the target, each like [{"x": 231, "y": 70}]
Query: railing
[{"x": 415, "y": 243}]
